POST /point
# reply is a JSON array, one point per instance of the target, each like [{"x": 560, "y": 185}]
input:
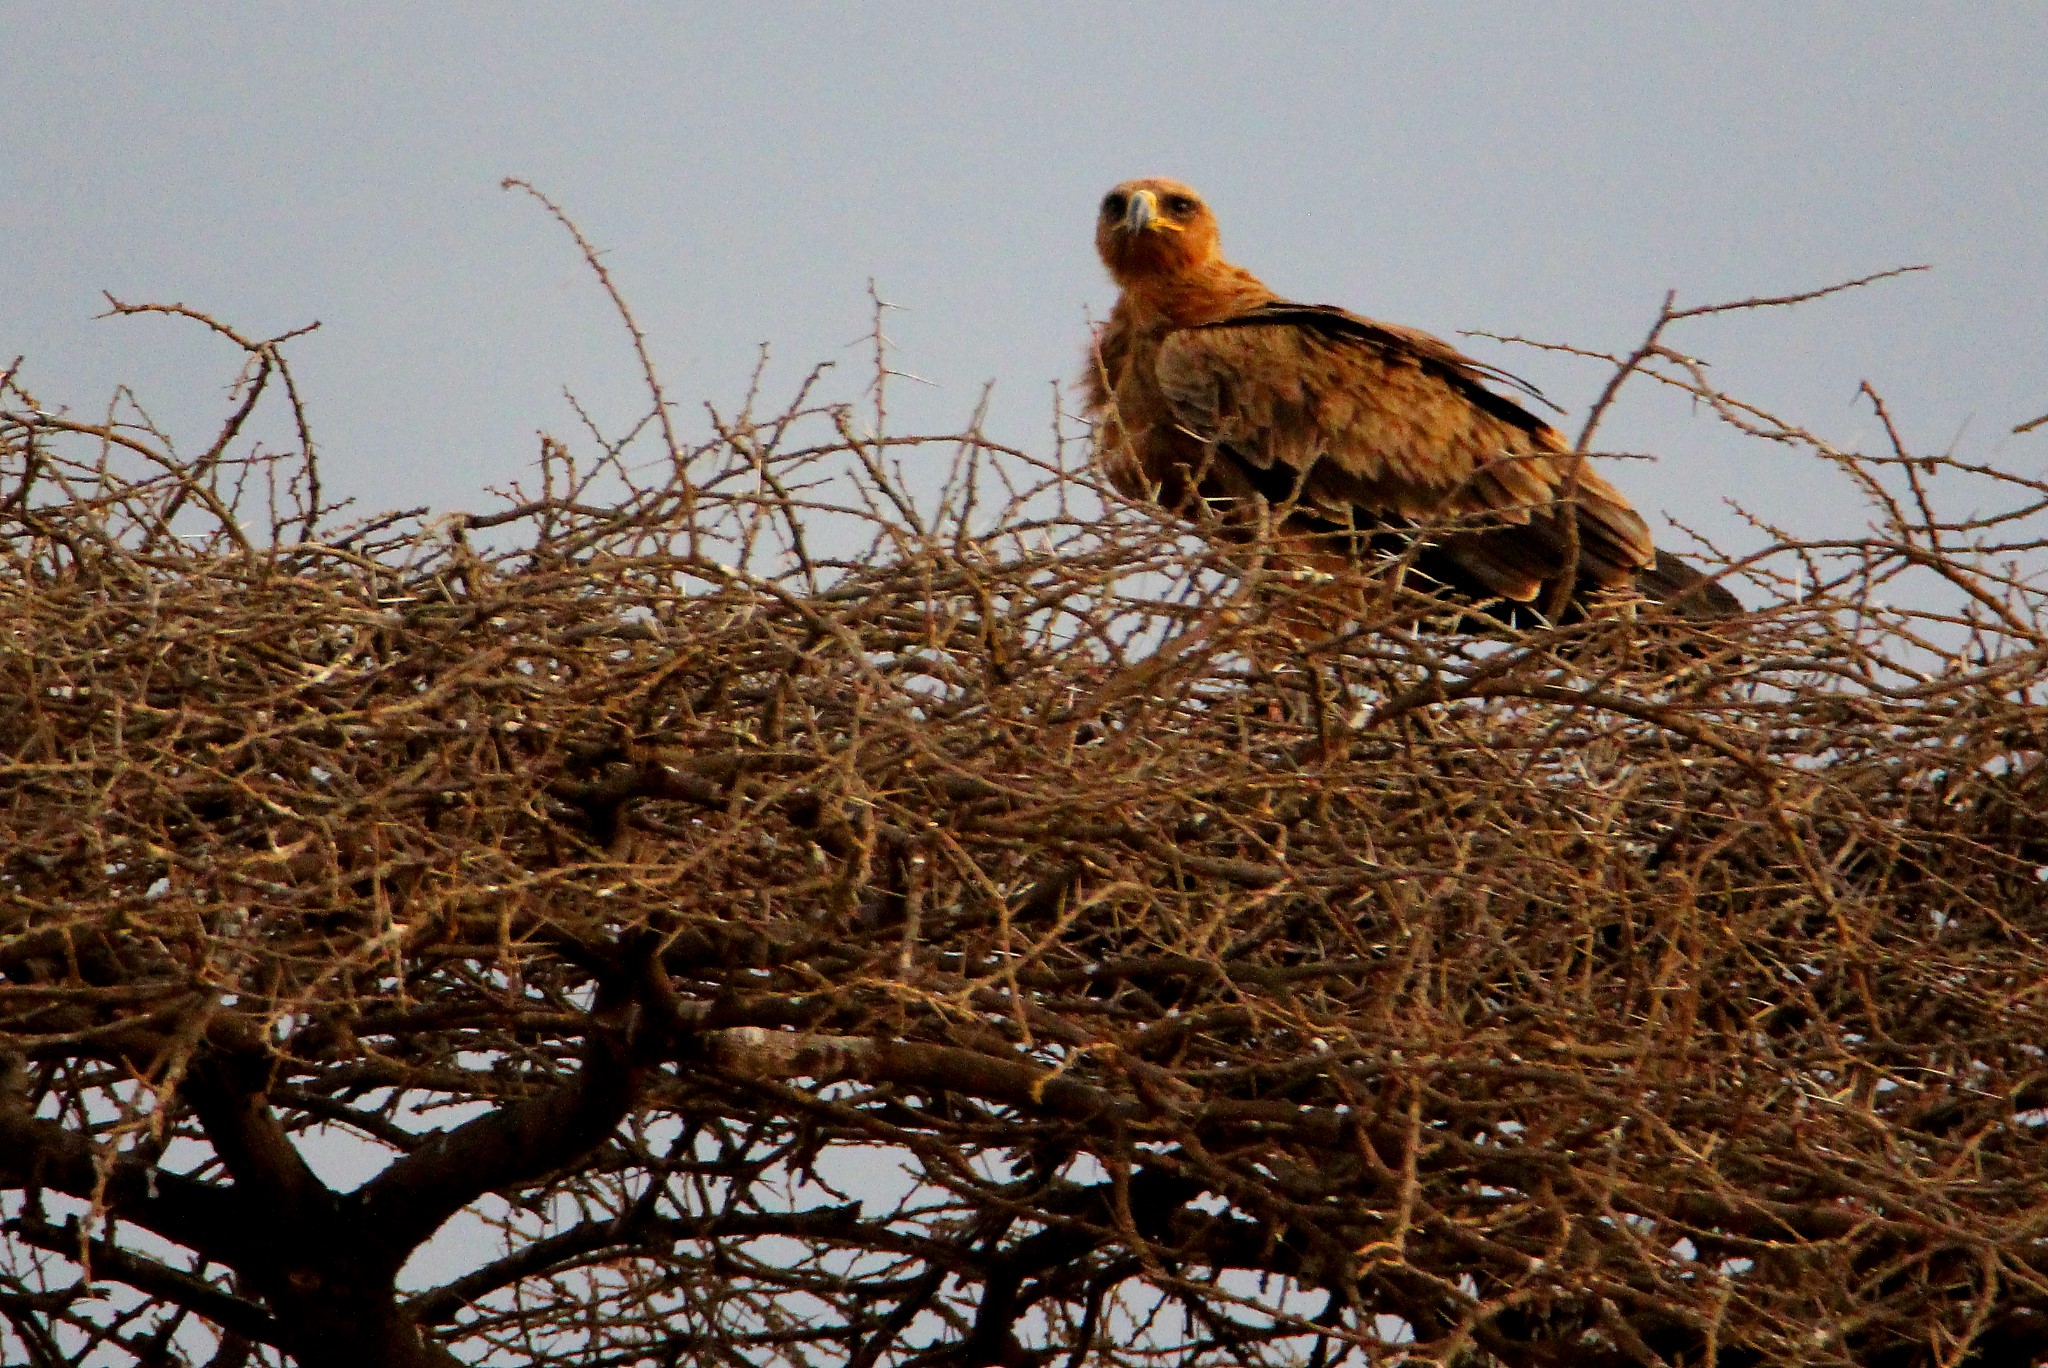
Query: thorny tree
[{"x": 777, "y": 910}]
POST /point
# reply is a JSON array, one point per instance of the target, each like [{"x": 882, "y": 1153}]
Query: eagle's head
[{"x": 1154, "y": 228}]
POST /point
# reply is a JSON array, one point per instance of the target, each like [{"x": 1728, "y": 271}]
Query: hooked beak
[{"x": 1144, "y": 214}]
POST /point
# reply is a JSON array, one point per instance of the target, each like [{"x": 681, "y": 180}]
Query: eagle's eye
[
  {"x": 1114, "y": 204},
  {"x": 1180, "y": 206}
]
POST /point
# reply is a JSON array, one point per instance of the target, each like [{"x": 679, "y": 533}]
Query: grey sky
[{"x": 1545, "y": 170}]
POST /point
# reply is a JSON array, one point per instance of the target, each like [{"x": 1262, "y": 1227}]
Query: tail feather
[{"x": 1683, "y": 589}]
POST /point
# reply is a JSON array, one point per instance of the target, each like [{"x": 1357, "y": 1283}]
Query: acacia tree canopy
[{"x": 818, "y": 897}]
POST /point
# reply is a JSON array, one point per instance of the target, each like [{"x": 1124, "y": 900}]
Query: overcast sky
[{"x": 1545, "y": 170}]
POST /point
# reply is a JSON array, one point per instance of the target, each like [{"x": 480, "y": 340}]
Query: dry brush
[{"x": 826, "y": 897}]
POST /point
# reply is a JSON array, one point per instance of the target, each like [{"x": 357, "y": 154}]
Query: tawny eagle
[{"x": 1352, "y": 441}]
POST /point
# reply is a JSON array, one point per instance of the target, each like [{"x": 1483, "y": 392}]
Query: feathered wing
[{"x": 1361, "y": 426}]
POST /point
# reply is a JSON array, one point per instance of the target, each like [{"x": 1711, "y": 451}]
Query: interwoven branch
[{"x": 845, "y": 897}]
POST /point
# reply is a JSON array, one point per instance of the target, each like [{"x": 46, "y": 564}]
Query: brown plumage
[{"x": 1228, "y": 404}]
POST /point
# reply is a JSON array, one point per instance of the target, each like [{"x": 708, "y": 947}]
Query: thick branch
[
  {"x": 194, "y": 1293},
  {"x": 213, "y": 1221},
  {"x": 509, "y": 1145},
  {"x": 229, "y": 1093},
  {"x": 753, "y": 1052}
]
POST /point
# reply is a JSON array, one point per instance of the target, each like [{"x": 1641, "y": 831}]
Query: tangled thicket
[{"x": 788, "y": 912}]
